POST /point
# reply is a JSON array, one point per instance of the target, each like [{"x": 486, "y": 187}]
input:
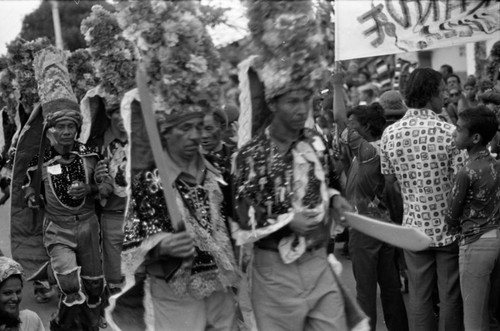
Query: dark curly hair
[
  {"x": 422, "y": 85},
  {"x": 481, "y": 120},
  {"x": 372, "y": 115}
]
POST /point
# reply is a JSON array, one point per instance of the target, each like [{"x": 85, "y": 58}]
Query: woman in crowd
[{"x": 11, "y": 287}]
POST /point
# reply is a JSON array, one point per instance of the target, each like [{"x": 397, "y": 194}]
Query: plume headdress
[
  {"x": 82, "y": 72},
  {"x": 115, "y": 57},
  {"x": 20, "y": 57},
  {"x": 290, "y": 47},
  {"x": 54, "y": 87},
  {"x": 178, "y": 57}
]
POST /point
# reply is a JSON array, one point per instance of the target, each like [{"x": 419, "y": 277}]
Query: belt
[
  {"x": 66, "y": 218},
  {"x": 274, "y": 248},
  {"x": 495, "y": 233}
]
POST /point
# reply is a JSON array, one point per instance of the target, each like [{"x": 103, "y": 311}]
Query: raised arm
[{"x": 339, "y": 106}]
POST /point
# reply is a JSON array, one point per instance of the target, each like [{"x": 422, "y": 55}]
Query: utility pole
[{"x": 57, "y": 24}]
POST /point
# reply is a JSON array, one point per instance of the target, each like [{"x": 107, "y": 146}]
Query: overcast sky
[
  {"x": 12, "y": 13},
  {"x": 11, "y": 18}
]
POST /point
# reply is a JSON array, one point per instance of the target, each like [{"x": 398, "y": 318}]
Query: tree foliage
[{"x": 71, "y": 13}]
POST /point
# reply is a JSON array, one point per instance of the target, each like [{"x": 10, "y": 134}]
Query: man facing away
[
  {"x": 474, "y": 213},
  {"x": 418, "y": 152}
]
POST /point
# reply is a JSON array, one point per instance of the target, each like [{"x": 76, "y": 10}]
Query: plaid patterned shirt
[{"x": 419, "y": 150}]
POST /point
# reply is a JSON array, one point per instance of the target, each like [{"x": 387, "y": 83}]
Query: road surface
[{"x": 47, "y": 309}]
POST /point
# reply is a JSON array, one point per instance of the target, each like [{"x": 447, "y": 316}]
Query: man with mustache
[
  {"x": 283, "y": 192},
  {"x": 71, "y": 228}
]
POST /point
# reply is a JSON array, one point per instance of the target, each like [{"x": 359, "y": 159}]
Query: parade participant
[
  {"x": 491, "y": 99},
  {"x": 213, "y": 147},
  {"x": 230, "y": 134},
  {"x": 111, "y": 172},
  {"x": 26, "y": 243},
  {"x": 71, "y": 228},
  {"x": 282, "y": 191},
  {"x": 474, "y": 213},
  {"x": 418, "y": 152},
  {"x": 188, "y": 272},
  {"x": 106, "y": 130},
  {"x": 11, "y": 287},
  {"x": 394, "y": 106}
]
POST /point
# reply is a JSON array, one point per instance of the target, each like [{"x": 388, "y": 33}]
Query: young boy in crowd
[{"x": 474, "y": 213}]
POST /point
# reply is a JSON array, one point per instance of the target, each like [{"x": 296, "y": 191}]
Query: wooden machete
[{"x": 396, "y": 235}]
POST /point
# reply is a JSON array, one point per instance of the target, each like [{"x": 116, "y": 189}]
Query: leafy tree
[{"x": 71, "y": 13}]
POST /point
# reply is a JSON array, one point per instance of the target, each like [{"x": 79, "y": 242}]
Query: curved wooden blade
[
  {"x": 157, "y": 148},
  {"x": 396, "y": 235}
]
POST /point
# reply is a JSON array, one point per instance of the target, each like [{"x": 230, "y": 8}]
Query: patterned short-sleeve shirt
[{"x": 419, "y": 150}]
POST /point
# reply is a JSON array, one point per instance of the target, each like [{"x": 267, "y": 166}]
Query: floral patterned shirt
[
  {"x": 419, "y": 150},
  {"x": 474, "y": 202}
]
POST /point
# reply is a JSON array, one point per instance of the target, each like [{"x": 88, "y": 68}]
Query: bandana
[{"x": 61, "y": 115}]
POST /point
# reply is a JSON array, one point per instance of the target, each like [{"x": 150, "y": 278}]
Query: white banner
[{"x": 378, "y": 27}]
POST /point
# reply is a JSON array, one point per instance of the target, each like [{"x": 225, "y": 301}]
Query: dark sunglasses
[{"x": 454, "y": 94}]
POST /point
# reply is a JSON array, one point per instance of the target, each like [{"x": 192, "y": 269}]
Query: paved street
[{"x": 45, "y": 310}]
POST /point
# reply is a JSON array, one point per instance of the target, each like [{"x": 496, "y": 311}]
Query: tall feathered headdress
[
  {"x": 290, "y": 47},
  {"x": 114, "y": 56},
  {"x": 178, "y": 57},
  {"x": 54, "y": 86},
  {"x": 82, "y": 73},
  {"x": 21, "y": 54}
]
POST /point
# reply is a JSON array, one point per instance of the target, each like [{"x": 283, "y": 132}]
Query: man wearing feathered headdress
[
  {"x": 64, "y": 172},
  {"x": 115, "y": 64},
  {"x": 176, "y": 234},
  {"x": 283, "y": 193}
]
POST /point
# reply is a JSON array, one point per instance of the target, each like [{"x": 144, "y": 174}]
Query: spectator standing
[
  {"x": 470, "y": 99},
  {"x": 368, "y": 94},
  {"x": 446, "y": 70},
  {"x": 453, "y": 82},
  {"x": 373, "y": 261},
  {"x": 11, "y": 287},
  {"x": 363, "y": 77},
  {"x": 474, "y": 213},
  {"x": 213, "y": 147},
  {"x": 454, "y": 95},
  {"x": 418, "y": 152}
]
